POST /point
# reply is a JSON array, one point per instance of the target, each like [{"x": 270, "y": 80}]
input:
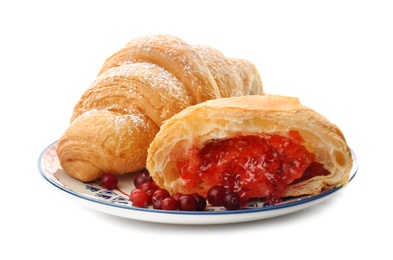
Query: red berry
[
  {"x": 200, "y": 202},
  {"x": 169, "y": 203},
  {"x": 232, "y": 201},
  {"x": 142, "y": 177},
  {"x": 215, "y": 195},
  {"x": 149, "y": 187},
  {"x": 177, "y": 196},
  {"x": 158, "y": 196},
  {"x": 187, "y": 203},
  {"x": 108, "y": 181},
  {"x": 139, "y": 197}
]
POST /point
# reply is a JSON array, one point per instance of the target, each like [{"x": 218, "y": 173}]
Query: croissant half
[
  {"x": 265, "y": 146},
  {"x": 138, "y": 88}
]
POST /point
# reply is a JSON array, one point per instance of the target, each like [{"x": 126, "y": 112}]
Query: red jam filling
[{"x": 253, "y": 166}]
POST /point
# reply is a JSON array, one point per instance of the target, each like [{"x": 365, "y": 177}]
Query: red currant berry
[
  {"x": 215, "y": 195},
  {"x": 142, "y": 177},
  {"x": 169, "y": 203},
  {"x": 149, "y": 187},
  {"x": 200, "y": 202},
  {"x": 177, "y": 195},
  {"x": 232, "y": 201},
  {"x": 108, "y": 181},
  {"x": 139, "y": 198},
  {"x": 187, "y": 203},
  {"x": 158, "y": 196}
]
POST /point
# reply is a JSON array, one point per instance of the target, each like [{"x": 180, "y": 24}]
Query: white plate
[{"x": 116, "y": 202}]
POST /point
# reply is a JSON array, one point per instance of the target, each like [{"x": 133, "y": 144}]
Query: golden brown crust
[
  {"x": 250, "y": 115},
  {"x": 138, "y": 88}
]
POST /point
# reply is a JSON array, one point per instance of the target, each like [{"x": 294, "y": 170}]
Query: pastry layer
[{"x": 253, "y": 115}]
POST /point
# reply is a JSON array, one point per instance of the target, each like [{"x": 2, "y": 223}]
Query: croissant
[
  {"x": 137, "y": 89},
  {"x": 261, "y": 146}
]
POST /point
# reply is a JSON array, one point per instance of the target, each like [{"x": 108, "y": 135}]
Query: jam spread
[{"x": 253, "y": 166}]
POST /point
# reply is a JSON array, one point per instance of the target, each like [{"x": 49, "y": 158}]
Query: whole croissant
[{"x": 139, "y": 87}]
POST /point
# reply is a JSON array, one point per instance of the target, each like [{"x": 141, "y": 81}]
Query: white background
[{"x": 335, "y": 55}]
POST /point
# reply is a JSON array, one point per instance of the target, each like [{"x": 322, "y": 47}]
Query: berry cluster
[{"x": 147, "y": 193}]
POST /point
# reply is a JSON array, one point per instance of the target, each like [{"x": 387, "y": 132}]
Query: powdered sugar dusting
[
  {"x": 178, "y": 57},
  {"x": 149, "y": 74},
  {"x": 121, "y": 121},
  {"x": 138, "y": 87}
]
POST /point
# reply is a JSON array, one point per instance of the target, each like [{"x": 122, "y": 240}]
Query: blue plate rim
[{"x": 302, "y": 199}]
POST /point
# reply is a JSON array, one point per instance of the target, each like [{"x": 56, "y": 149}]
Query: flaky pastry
[
  {"x": 257, "y": 145},
  {"x": 138, "y": 88}
]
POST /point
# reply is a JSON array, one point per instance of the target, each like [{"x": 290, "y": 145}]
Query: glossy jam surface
[{"x": 252, "y": 166}]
